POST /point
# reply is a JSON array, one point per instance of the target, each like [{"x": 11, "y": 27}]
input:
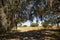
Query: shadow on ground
[{"x": 32, "y": 35}]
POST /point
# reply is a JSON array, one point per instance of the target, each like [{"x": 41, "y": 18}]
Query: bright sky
[{"x": 28, "y": 22}]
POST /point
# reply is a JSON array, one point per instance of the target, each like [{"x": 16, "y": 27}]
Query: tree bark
[{"x": 3, "y": 19}]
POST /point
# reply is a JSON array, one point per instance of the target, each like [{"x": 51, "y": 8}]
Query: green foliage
[
  {"x": 45, "y": 23},
  {"x": 34, "y": 24}
]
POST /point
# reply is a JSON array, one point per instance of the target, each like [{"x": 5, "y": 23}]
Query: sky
[{"x": 34, "y": 21}]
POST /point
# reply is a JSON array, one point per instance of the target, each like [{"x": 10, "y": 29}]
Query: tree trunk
[{"x": 3, "y": 19}]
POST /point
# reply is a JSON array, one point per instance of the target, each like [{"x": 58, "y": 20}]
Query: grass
[{"x": 25, "y": 29}]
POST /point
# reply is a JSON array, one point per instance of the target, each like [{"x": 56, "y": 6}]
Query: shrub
[
  {"x": 34, "y": 24},
  {"x": 45, "y": 23}
]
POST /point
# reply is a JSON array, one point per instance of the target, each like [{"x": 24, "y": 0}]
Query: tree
[
  {"x": 10, "y": 13},
  {"x": 3, "y": 20},
  {"x": 16, "y": 11}
]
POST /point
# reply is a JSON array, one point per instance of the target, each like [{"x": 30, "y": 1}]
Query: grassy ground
[
  {"x": 32, "y": 33},
  {"x": 25, "y": 29}
]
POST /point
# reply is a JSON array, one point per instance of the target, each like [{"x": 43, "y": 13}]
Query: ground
[
  {"x": 25, "y": 29},
  {"x": 40, "y": 34}
]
